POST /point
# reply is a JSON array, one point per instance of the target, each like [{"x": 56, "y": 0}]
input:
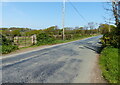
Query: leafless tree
[
  {"x": 113, "y": 7},
  {"x": 115, "y": 4}
]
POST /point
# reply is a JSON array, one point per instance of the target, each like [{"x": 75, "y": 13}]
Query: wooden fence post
[
  {"x": 34, "y": 39},
  {"x": 16, "y": 40},
  {"x": 25, "y": 41}
]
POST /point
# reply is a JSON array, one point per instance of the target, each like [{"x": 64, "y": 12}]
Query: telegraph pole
[
  {"x": 109, "y": 25},
  {"x": 63, "y": 19}
]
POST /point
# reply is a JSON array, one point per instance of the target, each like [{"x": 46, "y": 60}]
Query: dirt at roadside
[{"x": 96, "y": 74}]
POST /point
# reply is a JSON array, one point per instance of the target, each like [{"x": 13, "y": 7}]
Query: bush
[
  {"x": 4, "y": 40},
  {"x": 68, "y": 37},
  {"x": 109, "y": 64},
  {"x": 44, "y": 38},
  {"x": 8, "y": 48},
  {"x": 6, "y": 45},
  {"x": 76, "y": 36},
  {"x": 111, "y": 38}
]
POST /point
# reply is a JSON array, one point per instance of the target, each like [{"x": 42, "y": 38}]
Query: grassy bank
[{"x": 109, "y": 64}]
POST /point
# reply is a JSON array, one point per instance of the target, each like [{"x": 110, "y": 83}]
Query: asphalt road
[{"x": 67, "y": 63}]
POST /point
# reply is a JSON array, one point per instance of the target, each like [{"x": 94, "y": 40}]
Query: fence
[{"x": 25, "y": 41}]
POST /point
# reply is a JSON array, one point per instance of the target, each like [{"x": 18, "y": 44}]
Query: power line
[
  {"x": 77, "y": 11},
  {"x": 63, "y": 16}
]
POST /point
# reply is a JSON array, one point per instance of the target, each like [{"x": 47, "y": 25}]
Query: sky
[{"x": 40, "y": 15}]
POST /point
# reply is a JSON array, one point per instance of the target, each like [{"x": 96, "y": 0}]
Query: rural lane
[{"x": 66, "y": 63}]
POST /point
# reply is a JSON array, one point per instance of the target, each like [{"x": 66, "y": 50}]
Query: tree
[
  {"x": 112, "y": 37},
  {"x": 115, "y": 6}
]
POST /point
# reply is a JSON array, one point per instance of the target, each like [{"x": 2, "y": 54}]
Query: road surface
[{"x": 66, "y": 63}]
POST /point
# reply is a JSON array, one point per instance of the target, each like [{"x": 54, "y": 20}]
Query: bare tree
[
  {"x": 113, "y": 8},
  {"x": 119, "y": 14},
  {"x": 115, "y": 5}
]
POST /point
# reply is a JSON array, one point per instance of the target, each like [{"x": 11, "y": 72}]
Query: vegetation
[
  {"x": 23, "y": 41},
  {"x": 110, "y": 35},
  {"x": 109, "y": 59},
  {"x": 109, "y": 64},
  {"x": 6, "y": 45},
  {"x": 50, "y": 35},
  {"x": 4, "y": 40},
  {"x": 56, "y": 41},
  {"x": 44, "y": 38},
  {"x": 8, "y": 48}
]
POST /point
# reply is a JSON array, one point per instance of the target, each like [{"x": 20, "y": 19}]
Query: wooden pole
[{"x": 63, "y": 19}]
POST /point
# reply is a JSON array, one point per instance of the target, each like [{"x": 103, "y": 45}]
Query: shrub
[
  {"x": 4, "y": 40},
  {"x": 76, "y": 35},
  {"x": 68, "y": 37},
  {"x": 111, "y": 38},
  {"x": 8, "y": 48},
  {"x": 6, "y": 45},
  {"x": 44, "y": 38}
]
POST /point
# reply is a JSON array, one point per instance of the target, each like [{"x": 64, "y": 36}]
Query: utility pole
[
  {"x": 63, "y": 19},
  {"x": 109, "y": 25}
]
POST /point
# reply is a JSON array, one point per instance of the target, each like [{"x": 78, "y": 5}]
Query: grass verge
[{"x": 109, "y": 64}]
